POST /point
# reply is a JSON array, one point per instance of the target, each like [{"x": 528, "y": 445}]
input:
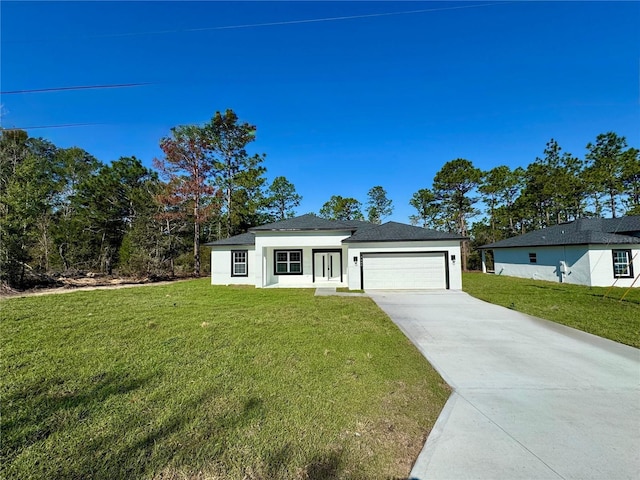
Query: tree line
[
  {"x": 63, "y": 210},
  {"x": 555, "y": 188}
]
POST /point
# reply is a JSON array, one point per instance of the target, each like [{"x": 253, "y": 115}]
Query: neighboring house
[
  {"x": 309, "y": 251},
  {"x": 588, "y": 251}
]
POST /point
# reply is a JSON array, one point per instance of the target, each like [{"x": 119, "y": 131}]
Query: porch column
[
  {"x": 484, "y": 261},
  {"x": 261, "y": 273}
]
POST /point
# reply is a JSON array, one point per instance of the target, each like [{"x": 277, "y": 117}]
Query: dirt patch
[{"x": 88, "y": 283}]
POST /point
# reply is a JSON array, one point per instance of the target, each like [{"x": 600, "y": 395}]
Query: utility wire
[
  {"x": 288, "y": 22},
  {"x": 62, "y": 125},
  {"x": 78, "y": 87},
  {"x": 295, "y": 22}
]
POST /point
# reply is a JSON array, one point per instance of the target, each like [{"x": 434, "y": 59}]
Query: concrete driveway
[{"x": 532, "y": 399}]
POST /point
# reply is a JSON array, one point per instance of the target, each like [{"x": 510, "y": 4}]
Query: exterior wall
[
  {"x": 261, "y": 258},
  {"x": 304, "y": 280},
  {"x": 268, "y": 242},
  {"x": 583, "y": 265},
  {"x": 453, "y": 247},
  {"x": 221, "y": 266},
  {"x": 601, "y": 260},
  {"x": 514, "y": 262}
]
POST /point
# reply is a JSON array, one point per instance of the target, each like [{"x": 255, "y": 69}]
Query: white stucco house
[
  {"x": 309, "y": 251},
  {"x": 588, "y": 251}
]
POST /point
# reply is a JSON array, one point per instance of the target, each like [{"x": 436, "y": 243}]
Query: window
[
  {"x": 622, "y": 266},
  {"x": 533, "y": 258},
  {"x": 288, "y": 262},
  {"x": 239, "y": 263}
]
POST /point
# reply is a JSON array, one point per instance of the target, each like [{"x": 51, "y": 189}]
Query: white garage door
[{"x": 404, "y": 270}]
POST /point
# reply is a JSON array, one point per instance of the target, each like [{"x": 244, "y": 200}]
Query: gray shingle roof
[
  {"x": 242, "y": 239},
  {"x": 310, "y": 222},
  {"x": 398, "y": 232},
  {"x": 628, "y": 225},
  {"x": 584, "y": 231},
  {"x": 364, "y": 231}
]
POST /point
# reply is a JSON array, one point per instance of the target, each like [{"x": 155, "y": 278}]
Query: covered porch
[{"x": 306, "y": 267}]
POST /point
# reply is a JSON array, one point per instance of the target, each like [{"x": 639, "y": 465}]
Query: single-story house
[
  {"x": 309, "y": 251},
  {"x": 588, "y": 251}
]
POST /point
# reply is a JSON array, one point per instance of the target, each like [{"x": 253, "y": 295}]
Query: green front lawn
[
  {"x": 193, "y": 381},
  {"x": 584, "y": 308}
]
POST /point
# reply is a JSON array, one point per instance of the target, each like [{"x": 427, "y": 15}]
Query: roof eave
[
  {"x": 213, "y": 244},
  {"x": 257, "y": 229},
  {"x": 529, "y": 245},
  {"x": 447, "y": 239}
]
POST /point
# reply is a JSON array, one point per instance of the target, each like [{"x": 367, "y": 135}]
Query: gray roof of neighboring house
[
  {"x": 398, "y": 232},
  {"x": 364, "y": 231},
  {"x": 310, "y": 222},
  {"x": 584, "y": 231}
]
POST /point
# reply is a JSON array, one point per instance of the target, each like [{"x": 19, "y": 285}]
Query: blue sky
[{"x": 341, "y": 105}]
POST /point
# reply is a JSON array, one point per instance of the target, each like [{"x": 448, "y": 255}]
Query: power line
[
  {"x": 295, "y": 22},
  {"x": 78, "y": 87},
  {"x": 288, "y": 22},
  {"x": 61, "y": 125}
]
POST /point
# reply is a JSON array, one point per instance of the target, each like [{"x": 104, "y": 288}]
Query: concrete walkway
[
  {"x": 532, "y": 400},
  {"x": 332, "y": 292}
]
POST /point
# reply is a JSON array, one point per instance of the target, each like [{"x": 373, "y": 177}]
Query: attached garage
[
  {"x": 395, "y": 256},
  {"x": 405, "y": 270}
]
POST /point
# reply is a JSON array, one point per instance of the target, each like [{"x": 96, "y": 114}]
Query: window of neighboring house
[
  {"x": 288, "y": 262},
  {"x": 533, "y": 258},
  {"x": 239, "y": 263},
  {"x": 622, "y": 266}
]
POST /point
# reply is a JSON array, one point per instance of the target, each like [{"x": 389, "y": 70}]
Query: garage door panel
[{"x": 404, "y": 270}]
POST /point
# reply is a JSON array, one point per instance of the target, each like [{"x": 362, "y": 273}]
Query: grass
[
  {"x": 190, "y": 381},
  {"x": 577, "y": 306}
]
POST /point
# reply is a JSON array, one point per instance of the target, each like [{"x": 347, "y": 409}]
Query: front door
[{"x": 327, "y": 266}]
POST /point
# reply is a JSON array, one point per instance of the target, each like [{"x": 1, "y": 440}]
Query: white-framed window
[
  {"x": 239, "y": 266},
  {"x": 533, "y": 258},
  {"x": 622, "y": 266},
  {"x": 287, "y": 262}
]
